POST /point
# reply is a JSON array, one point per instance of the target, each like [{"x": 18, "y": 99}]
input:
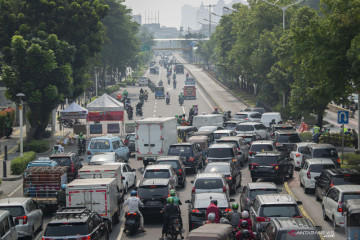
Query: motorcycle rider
[
  {"x": 177, "y": 202},
  {"x": 215, "y": 111},
  {"x": 138, "y": 107},
  {"x": 181, "y": 97},
  {"x": 134, "y": 203},
  {"x": 125, "y": 93},
  {"x": 244, "y": 233},
  {"x": 58, "y": 148},
  {"x": 170, "y": 211},
  {"x": 167, "y": 96},
  {"x": 210, "y": 218},
  {"x": 146, "y": 94},
  {"x": 234, "y": 215},
  {"x": 81, "y": 141},
  {"x": 245, "y": 217},
  {"x": 129, "y": 110},
  {"x": 213, "y": 208},
  {"x": 196, "y": 110},
  {"x": 141, "y": 91},
  {"x": 174, "y": 75},
  {"x": 161, "y": 83}
]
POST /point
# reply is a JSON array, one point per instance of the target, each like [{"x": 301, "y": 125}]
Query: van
[
  {"x": 7, "y": 226},
  {"x": 108, "y": 144},
  {"x": 267, "y": 117},
  {"x": 208, "y": 120}
]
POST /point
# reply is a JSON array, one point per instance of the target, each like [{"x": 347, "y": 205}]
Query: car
[
  {"x": 282, "y": 228},
  {"x": 143, "y": 81},
  {"x": 210, "y": 183},
  {"x": 273, "y": 165},
  {"x": 104, "y": 157},
  {"x": 177, "y": 163},
  {"x": 321, "y": 151},
  {"x": 190, "y": 152},
  {"x": 70, "y": 160},
  {"x": 260, "y": 146},
  {"x": 223, "y": 152},
  {"x": 7, "y": 226},
  {"x": 231, "y": 173},
  {"x": 198, "y": 204},
  {"x": 231, "y": 125},
  {"x": 269, "y": 206},
  {"x": 108, "y": 143},
  {"x": 209, "y": 128},
  {"x": 247, "y": 116},
  {"x": 26, "y": 213},
  {"x": 160, "y": 171},
  {"x": 267, "y": 117},
  {"x": 223, "y": 133},
  {"x": 153, "y": 193},
  {"x": 296, "y": 154},
  {"x": 311, "y": 169},
  {"x": 129, "y": 141},
  {"x": 42, "y": 161},
  {"x": 249, "y": 137},
  {"x": 251, "y": 190},
  {"x": 333, "y": 177},
  {"x": 77, "y": 223},
  {"x": 280, "y": 127},
  {"x": 255, "y": 109},
  {"x": 252, "y": 127},
  {"x": 241, "y": 146},
  {"x": 333, "y": 203},
  {"x": 128, "y": 174},
  {"x": 285, "y": 140}
]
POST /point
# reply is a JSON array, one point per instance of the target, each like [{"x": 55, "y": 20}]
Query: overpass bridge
[{"x": 175, "y": 44}]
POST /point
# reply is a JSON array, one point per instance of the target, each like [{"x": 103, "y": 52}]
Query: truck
[
  {"x": 153, "y": 137},
  {"x": 42, "y": 183},
  {"x": 100, "y": 195},
  {"x": 208, "y": 120}
]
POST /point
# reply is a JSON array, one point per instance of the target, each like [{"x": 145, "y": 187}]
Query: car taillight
[
  {"x": 72, "y": 167},
  {"x": 297, "y": 216},
  {"x": 250, "y": 153},
  {"x": 234, "y": 159},
  {"x": 228, "y": 178},
  {"x": 276, "y": 166},
  {"x": 246, "y": 119},
  {"x": 86, "y": 238},
  {"x": 88, "y": 152},
  {"x": 23, "y": 218},
  {"x": 126, "y": 141},
  {"x": 262, "y": 219},
  {"x": 224, "y": 189},
  {"x": 308, "y": 175},
  {"x": 180, "y": 172},
  {"x": 195, "y": 211},
  {"x": 227, "y": 210},
  {"x": 193, "y": 190},
  {"x": 331, "y": 183},
  {"x": 133, "y": 214},
  {"x": 277, "y": 144},
  {"x": 340, "y": 209},
  {"x": 253, "y": 165},
  {"x": 297, "y": 155}
]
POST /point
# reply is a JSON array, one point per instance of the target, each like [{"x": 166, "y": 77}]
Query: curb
[
  {"x": 301, "y": 207},
  {"x": 12, "y": 178}
]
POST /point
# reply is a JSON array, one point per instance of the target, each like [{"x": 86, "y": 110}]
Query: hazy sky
[{"x": 169, "y": 10}]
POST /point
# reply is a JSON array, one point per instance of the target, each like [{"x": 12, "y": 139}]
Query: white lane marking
[
  {"x": 183, "y": 109},
  {"x": 12, "y": 193},
  {"x": 205, "y": 99},
  {"x": 121, "y": 233}
]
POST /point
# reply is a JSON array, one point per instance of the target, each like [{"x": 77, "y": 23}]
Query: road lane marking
[
  {"x": 183, "y": 109},
  {"x": 205, "y": 98},
  {"x": 121, "y": 233},
  {"x": 12, "y": 193}
]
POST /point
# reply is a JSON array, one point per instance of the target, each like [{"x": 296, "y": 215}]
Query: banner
[{"x": 106, "y": 116}]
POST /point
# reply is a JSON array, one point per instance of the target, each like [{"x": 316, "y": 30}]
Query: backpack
[{"x": 235, "y": 219}]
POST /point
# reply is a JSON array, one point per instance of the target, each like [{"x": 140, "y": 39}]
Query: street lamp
[
  {"x": 229, "y": 9},
  {"x": 20, "y": 96},
  {"x": 96, "y": 81}
]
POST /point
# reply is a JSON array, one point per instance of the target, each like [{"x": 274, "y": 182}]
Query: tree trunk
[{"x": 320, "y": 120}]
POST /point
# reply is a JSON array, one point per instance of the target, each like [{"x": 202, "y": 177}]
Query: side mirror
[
  {"x": 122, "y": 178},
  {"x": 187, "y": 201},
  {"x": 299, "y": 202},
  {"x": 192, "y": 181}
]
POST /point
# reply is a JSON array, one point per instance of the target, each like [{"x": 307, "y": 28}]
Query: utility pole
[{"x": 209, "y": 6}]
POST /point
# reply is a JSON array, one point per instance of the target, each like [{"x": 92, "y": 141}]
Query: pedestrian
[{"x": 355, "y": 138}]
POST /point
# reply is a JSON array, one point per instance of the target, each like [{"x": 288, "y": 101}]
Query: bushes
[
  {"x": 306, "y": 136},
  {"x": 18, "y": 165},
  {"x": 351, "y": 158},
  {"x": 335, "y": 139},
  {"x": 112, "y": 89},
  {"x": 37, "y": 146},
  {"x": 122, "y": 84}
]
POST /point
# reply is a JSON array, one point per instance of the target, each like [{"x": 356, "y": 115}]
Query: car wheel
[
  {"x": 306, "y": 190},
  {"x": 324, "y": 214},
  {"x": 334, "y": 224},
  {"x": 316, "y": 195},
  {"x": 291, "y": 174}
]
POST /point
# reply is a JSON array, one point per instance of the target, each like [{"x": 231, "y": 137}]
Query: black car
[
  {"x": 71, "y": 161},
  {"x": 285, "y": 140},
  {"x": 251, "y": 190},
  {"x": 335, "y": 176},
  {"x": 130, "y": 142},
  {"x": 190, "y": 151},
  {"x": 228, "y": 169},
  {"x": 321, "y": 151},
  {"x": 153, "y": 193},
  {"x": 275, "y": 165},
  {"x": 179, "y": 69},
  {"x": 199, "y": 203},
  {"x": 291, "y": 228},
  {"x": 177, "y": 163},
  {"x": 74, "y": 223}
]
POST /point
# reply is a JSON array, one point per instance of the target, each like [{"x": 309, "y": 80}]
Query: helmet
[
  {"x": 211, "y": 216},
  {"x": 133, "y": 193},
  {"x": 214, "y": 202},
  {"x": 63, "y": 186},
  {"x": 245, "y": 214},
  {"x": 167, "y": 92},
  {"x": 81, "y": 134},
  {"x": 170, "y": 200},
  {"x": 244, "y": 224},
  {"x": 172, "y": 192},
  {"x": 235, "y": 206},
  {"x": 245, "y": 234},
  {"x": 176, "y": 116},
  {"x": 216, "y": 109},
  {"x": 195, "y": 105},
  {"x": 224, "y": 220}
]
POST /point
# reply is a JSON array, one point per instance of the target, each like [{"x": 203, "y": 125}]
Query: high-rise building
[
  {"x": 188, "y": 17},
  {"x": 201, "y": 14},
  {"x": 137, "y": 18}
]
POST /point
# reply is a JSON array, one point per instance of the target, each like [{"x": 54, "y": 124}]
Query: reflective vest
[{"x": 316, "y": 130}]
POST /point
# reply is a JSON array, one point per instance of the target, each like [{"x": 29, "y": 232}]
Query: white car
[
  {"x": 333, "y": 202},
  {"x": 161, "y": 171},
  {"x": 210, "y": 183},
  {"x": 223, "y": 133},
  {"x": 247, "y": 116},
  {"x": 143, "y": 81},
  {"x": 129, "y": 176},
  {"x": 296, "y": 153},
  {"x": 311, "y": 169},
  {"x": 252, "y": 127},
  {"x": 267, "y": 117}
]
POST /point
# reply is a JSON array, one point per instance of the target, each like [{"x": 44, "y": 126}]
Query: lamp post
[
  {"x": 96, "y": 81},
  {"x": 20, "y": 96}
]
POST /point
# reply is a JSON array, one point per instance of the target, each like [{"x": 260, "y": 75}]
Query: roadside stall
[{"x": 74, "y": 112}]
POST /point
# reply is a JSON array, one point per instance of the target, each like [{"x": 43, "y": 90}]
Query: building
[{"x": 188, "y": 17}]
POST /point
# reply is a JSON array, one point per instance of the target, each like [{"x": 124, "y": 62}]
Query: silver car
[
  {"x": 27, "y": 215},
  {"x": 7, "y": 227}
]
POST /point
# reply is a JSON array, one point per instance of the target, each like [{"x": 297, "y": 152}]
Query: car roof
[
  {"x": 232, "y": 121},
  {"x": 271, "y": 113},
  {"x": 282, "y": 125},
  {"x": 158, "y": 166},
  {"x": 224, "y": 131},
  {"x": 202, "y": 200},
  {"x": 230, "y": 138},
  {"x": 261, "y": 185},
  {"x": 13, "y": 201},
  {"x": 304, "y": 144},
  {"x": 342, "y": 171},
  {"x": 182, "y": 144},
  {"x": 276, "y": 199},
  {"x": 167, "y": 158},
  {"x": 90, "y": 168},
  {"x": 348, "y": 188},
  {"x": 68, "y": 154},
  {"x": 208, "y": 175},
  {"x": 71, "y": 215},
  {"x": 221, "y": 145},
  {"x": 319, "y": 161},
  {"x": 109, "y": 137},
  {"x": 288, "y": 132},
  {"x": 154, "y": 181},
  {"x": 244, "y": 112},
  {"x": 269, "y": 153},
  {"x": 249, "y": 123},
  {"x": 294, "y": 223},
  {"x": 218, "y": 163},
  {"x": 321, "y": 145},
  {"x": 262, "y": 142}
]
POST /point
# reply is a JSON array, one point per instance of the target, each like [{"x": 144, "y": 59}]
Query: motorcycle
[
  {"x": 69, "y": 123},
  {"x": 167, "y": 101},
  {"x": 181, "y": 101},
  {"x": 168, "y": 81},
  {"x": 160, "y": 84},
  {"x": 174, "y": 85},
  {"x": 130, "y": 113},
  {"x": 81, "y": 147},
  {"x": 132, "y": 222},
  {"x": 139, "y": 112},
  {"x": 174, "y": 228},
  {"x": 174, "y": 77},
  {"x": 146, "y": 97}
]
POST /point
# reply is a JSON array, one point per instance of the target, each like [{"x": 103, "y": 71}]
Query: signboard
[
  {"x": 113, "y": 128},
  {"x": 343, "y": 117},
  {"x": 106, "y": 116},
  {"x": 95, "y": 128}
]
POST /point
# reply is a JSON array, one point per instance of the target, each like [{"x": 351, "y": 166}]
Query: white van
[
  {"x": 208, "y": 120},
  {"x": 7, "y": 226},
  {"x": 267, "y": 117}
]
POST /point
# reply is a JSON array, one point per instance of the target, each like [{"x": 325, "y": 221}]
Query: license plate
[
  {"x": 152, "y": 203},
  {"x": 264, "y": 169}
]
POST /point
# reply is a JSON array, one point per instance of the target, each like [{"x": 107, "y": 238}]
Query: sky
[{"x": 169, "y": 10}]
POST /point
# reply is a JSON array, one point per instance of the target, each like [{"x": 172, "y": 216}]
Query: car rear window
[
  {"x": 244, "y": 128},
  {"x": 283, "y": 128},
  {"x": 348, "y": 196},
  {"x": 288, "y": 138},
  {"x": 342, "y": 180},
  {"x": 100, "y": 144},
  {"x": 253, "y": 193},
  {"x": 230, "y": 125},
  {"x": 220, "y": 135},
  {"x": 174, "y": 164},
  {"x": 213, "y": 168},
  {"x": 318, "y": 168},
  {"x": 15, "y": 211},
  {"x": 208, "y": 183},
  {"x": 281, "y": 210},
  {"x": 236, "y": 144},
  {"x": 325, "y": 153},
  {"x": 261, "y": 147},
  {"x": 221, "y": 152},
  {"x": 240, "y": 116},
  {"x": 248, "y": 139},
  {"x": 130, "y": 137},
  {"x": 62, "y": 161},
  {"x": 157, "y": 173},
  {"x": 265, "y": 160},
  {"x": 68, "y": 229},
  {"x": 177, "y": 150},
  {"x": 153, "y": 191}
]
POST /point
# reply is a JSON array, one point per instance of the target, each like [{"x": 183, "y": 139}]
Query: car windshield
[
  {"x": 157, "y": 173},
  {"x": 253, "y": 193},
  {"x": 265, "y": 160},
  {"x": 289, "y": 138},
  {"x": 131, "y": 138},
  {"x": 174, "y": 164},
  {"x": 220, "y": 135},
  {"x": 221, "y": 153},
  {"x": 68, "y": 229},
  {"x": 318, "y": 168},
  {"x": 244, "y": 128},
  {"x": 62, "y": 161},
  {"x": 240, "y": 116},
  {"x": 15, "y": 211},
  {"x": 281, "y": 210},
  {"x": 100, "y": 144},
  {"x": 325, "y": 153},
  {"x": 211, "y": 183},
  {"x": 213, "y": 168},
  {"x": 293, "y": 235},
  {"x": 179, "y": 150},
  {"x": 261, "y": 147},
  {"x": 230, "y": 125},
  {"x": 153, "y": 192},
  {"x": 248, "y": 139},
  {"x": 354, "y": 220},
  {"x": 348, "y": 196}
]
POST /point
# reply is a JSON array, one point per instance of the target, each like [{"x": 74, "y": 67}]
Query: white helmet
[
  {"x": 245, "y": 214},
  {"x": 211, "y": 216}
]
